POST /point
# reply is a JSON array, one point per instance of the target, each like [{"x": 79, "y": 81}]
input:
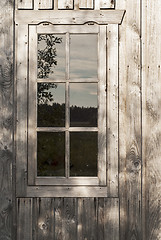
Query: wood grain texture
[
  {"x": 45, "y": 4},
  {"x": 107, "y": 4},
  {"x": 70, "y": 219},
  {"x": 6, "y": 119},
  {"x": 151, "y": 81},
  {"x": 86, "y": 4},
  {"x": 69, "y": 17},
  {"x": 24, "y": 4},
  {"x": 87, "y": 218},
  {"x": 130, "y": 121},
  {"x": 65, "y": 4},
  {"x": 24, "y": 218},
  {"x": 112, "y": 110},
  {"x": 21, "y": 114},
  {"x": 45, "y": 218},
  {"x": 108, "y": 218}
]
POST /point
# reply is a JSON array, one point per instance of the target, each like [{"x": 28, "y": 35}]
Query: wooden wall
[
  {"x": 135, "y": 214},
  {"x": 6, "y": 120}
]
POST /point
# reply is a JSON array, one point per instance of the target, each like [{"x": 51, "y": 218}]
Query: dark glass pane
[
  {"x": 51, "y": 105},
  {"x": 83, "y": 104},
  {"x": 51, "y": 56},
  {"x": 83, "y": 56},
  {"x": 50, "y": 154},
  {"x": 83, "y": 153}
]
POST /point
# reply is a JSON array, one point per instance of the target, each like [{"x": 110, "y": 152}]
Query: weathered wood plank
[
  {"x": 69, "y": 17},
  {"x": 45, "y": 218},
  {"x": 58, "y": 191},
  {"x": 87, "y": 218},
  {"x": 151, "y": 85},
  {"x": 21, "y": 118},
  {"x": 45, "y": 4},
  {"x": 70, "y": 219},
  {"x": 7, "y": 207},
  {"x": 86, "y": 4},
  {"x": 102, "y": 106},
  {"x": 32, "y": 107},
  {"x": 112, "y": 109},
  {"x": 65, "y": 4},
  {"x": 25, "y": 4},
  {"x": 130, "y": 121},
  {"x": 24, "y": 218},
  {"x": 107, "y": 4},
  {"x": 6, "y": 119},
  {"x": 58, "y": 208},
  {"x": 111, "y": 218},
  {"x": 108, "y": 218}
]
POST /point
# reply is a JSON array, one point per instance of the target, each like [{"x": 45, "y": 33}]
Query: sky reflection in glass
[{"x": 83, "y": 56}]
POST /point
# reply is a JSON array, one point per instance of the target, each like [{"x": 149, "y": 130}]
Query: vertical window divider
[{"x": 67, "y": 110}]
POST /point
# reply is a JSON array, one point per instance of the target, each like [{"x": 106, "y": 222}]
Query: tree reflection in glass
[
  {"x": 51, "y": 105},
  {"x": 83, "y": 104},
  {"x": 51, "y": 56}
]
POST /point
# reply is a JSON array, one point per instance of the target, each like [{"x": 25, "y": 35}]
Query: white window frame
[{"x": 28, "y": 184}]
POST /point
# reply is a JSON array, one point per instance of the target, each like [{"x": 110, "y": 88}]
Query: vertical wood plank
[
  {"x": 130, "y": 121},
  {"x": 25, "y": 4},
  {"x": 24, "y": 218},
  {"x": 6, "y": 119},
  {"x": 151, "y": 85},
  {"x": 108, "y": 218},
  {"x": 112, "y": 109},
  {"x": 102, "y": 106},
  {"x": 70, "y": 219},
  {"x": 45, "y": 4},
  {"x": 45, "y": 218},
  {"x": 87, "y": 218},
  {"x": 101, "y": 219},
  {"x": 32, "y": 106},
  {"x": 58, "y": 208},
  {"x": 21, "y": 120},
  {"x": 111, "y": 218},
  {"x": 104, "y": 4},
  {"x": 86, "y": 4},
  {"x": 65, "y": 4}
]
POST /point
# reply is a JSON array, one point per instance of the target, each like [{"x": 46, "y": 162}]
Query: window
[
  {"x": 67, "y": 103},
  {"x": 67, "y": 116}
]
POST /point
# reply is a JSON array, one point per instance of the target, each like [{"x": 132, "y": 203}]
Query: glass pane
[
  {"x": 50, "y": 154},
  {"x": 83, "y": 56},
  {"x": 83, "y": 104},
  {"x": 83, "y": 153},
  {"x": 51, "y": 105},
  {"x": 51, "y": 56}
]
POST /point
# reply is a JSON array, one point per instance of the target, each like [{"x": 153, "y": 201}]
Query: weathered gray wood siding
[
  {"x": 130, "y": 120},
  {"x": 135, "y": 214},
  {"x": 6, "y": 119},
  {"x": 151, "y": 88}
]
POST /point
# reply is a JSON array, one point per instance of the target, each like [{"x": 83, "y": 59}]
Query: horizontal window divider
[
  {"x": 70, "y": 129},
  {"x": 83, "y": 129},
  {"x": 77, "y": 80},
  {"x": 51, "y": 129}
]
